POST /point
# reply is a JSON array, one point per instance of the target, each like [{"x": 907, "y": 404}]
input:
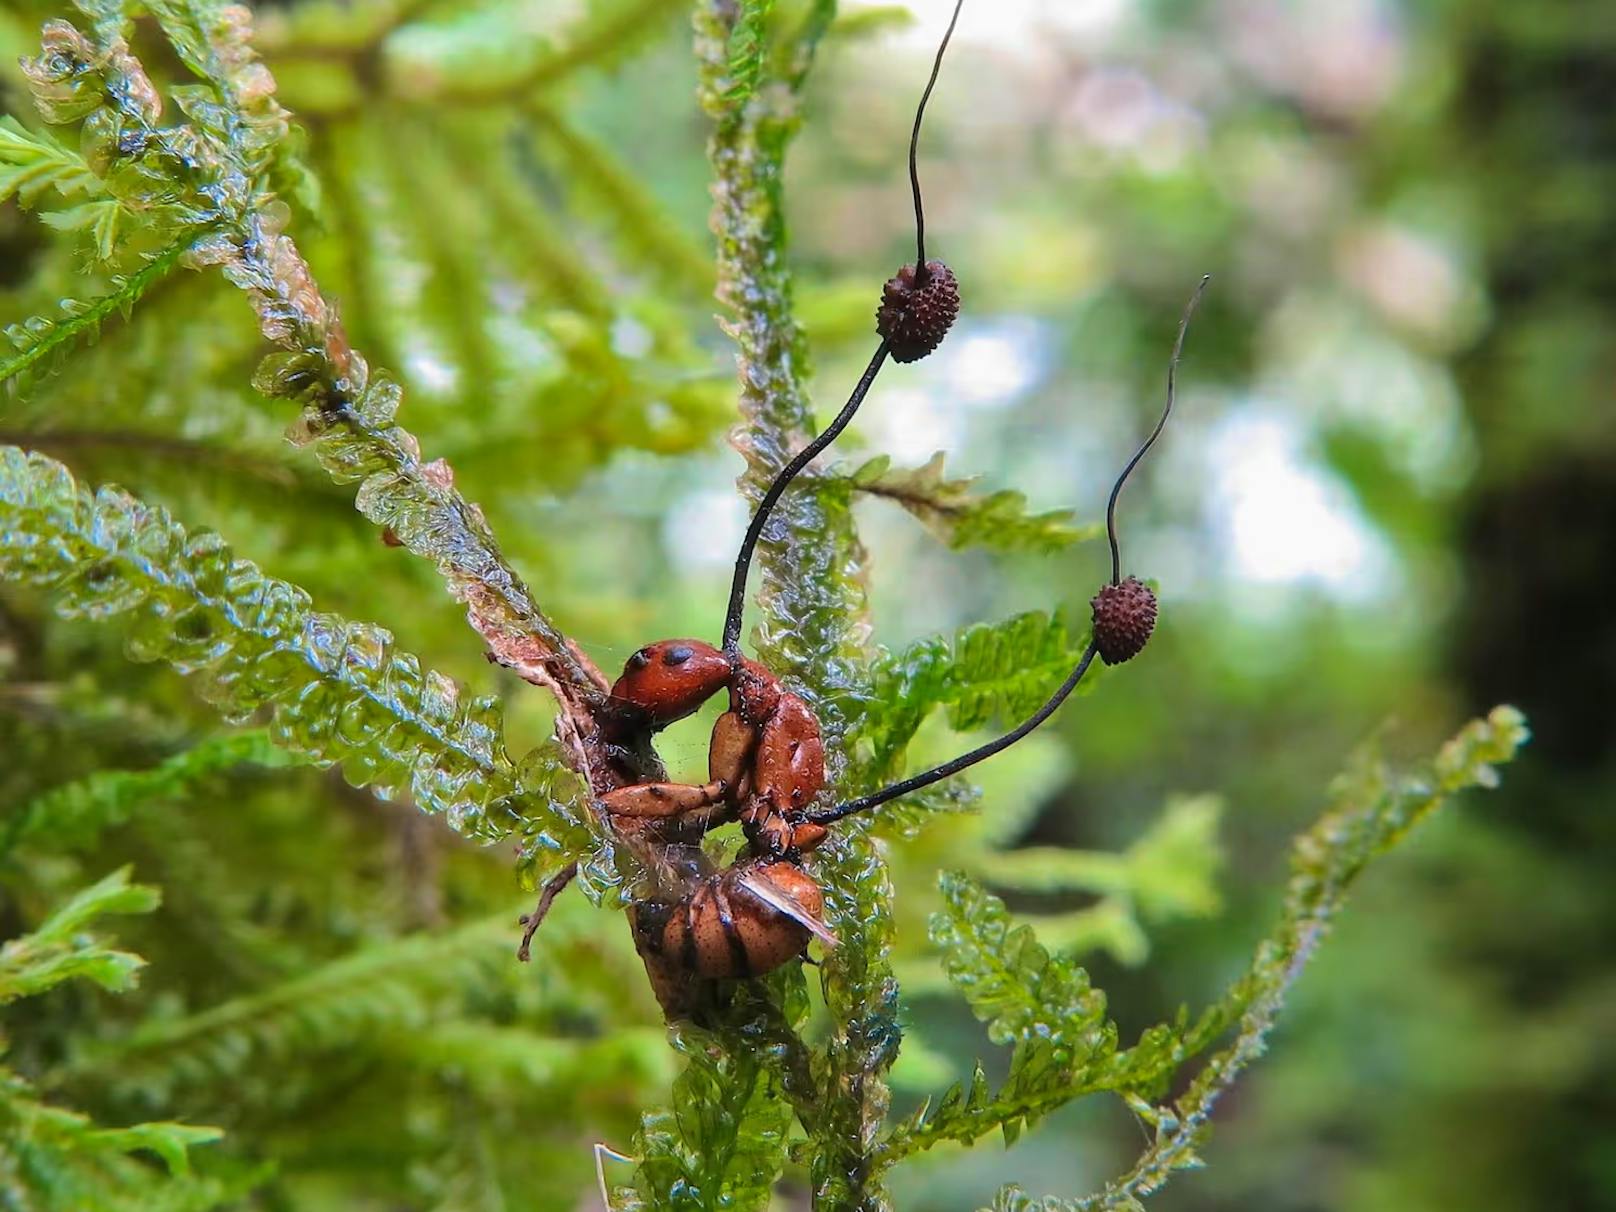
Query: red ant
[{"x": 766, "y": 758}]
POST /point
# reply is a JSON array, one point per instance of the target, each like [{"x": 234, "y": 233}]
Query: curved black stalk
[
  {"x": 999, "y": 744},
  {"x": 914, "y": 145},
  {"x": 743, "y": 559},
  {"x": 771, "y": 497},
  {"x": 1172, "y": 395},
  {"x": 980, "y": 753}
]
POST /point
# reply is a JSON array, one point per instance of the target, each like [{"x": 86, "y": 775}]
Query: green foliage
[
  {"x": 74, "y": 815},
  {"x": 340, "y": 691},
  {"x": 399, "y": 987},
  {"x": 1000, "y": 671},
  {"x": 58, "y": 950},
  {"x": 42, "y": 339},
  {"x": 543, "y": 310},
  {"x": 722, "y": 1141},
  {"x": 1168, "y": 873},
  {"x": 961, "y": 517},
  {"x": 1172, "y": 868},
  {"x": 55, "y": 1158},
  {"x": 31, "y": 164},
  {"x": 1372, "y": 810}
]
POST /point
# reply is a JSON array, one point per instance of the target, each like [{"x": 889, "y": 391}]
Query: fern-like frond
[
  {"x": 59, "y": 950},
  {"x": 75, "y": 814},
  {"x": 993, "y": 671},
  {"x": 400, "y": 985},
  {"x": 1042, "y": 1005},
  {"x": 484, "y": 54},
  {"x": 54, "y": 1158},
  {"x": 341, "y": 692},
  {"x": 1065, "y": 1048},
  {"x": 41, "y": 338},
  {"x": 603, "y": 184},
  {"x": 32, "y": 163},
  {"x": 1170, "y": 871},
  {"x": 504, "y": 1064},
  {"x": 961, "y": 517}
]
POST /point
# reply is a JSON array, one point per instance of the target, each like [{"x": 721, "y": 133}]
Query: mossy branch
[
  {"x": 341, "y": 691},
  {"x": 224, "y": 157},
  {"x": 1065, "y": 1048},
  {"x": 814, "y": 626}
]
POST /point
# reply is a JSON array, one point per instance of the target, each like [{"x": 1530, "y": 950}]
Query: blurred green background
[{"x": 1390, "y": 495}]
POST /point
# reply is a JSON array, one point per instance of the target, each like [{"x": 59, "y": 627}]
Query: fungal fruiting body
[
  {"x": 1124, "y": 617},
  {"x": 917, "y": 310}
]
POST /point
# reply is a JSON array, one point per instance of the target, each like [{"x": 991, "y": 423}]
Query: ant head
[{"x": 671, "y": 678}]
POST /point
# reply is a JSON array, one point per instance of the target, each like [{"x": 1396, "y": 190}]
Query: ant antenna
[
  {"x": 999, "y": 744},
  {"x": 914, "y": 145},
  {"x": 916, "y": 312}
]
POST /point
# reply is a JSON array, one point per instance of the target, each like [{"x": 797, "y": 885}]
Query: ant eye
[
  {"x": 678, "y": 656},
  {"x": 640, "y": 659}
]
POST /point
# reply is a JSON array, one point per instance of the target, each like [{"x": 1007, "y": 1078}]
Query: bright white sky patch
[
  {"x": 980, "y": 367},
  {"x": 703, "y": 530},
  {"x": 909, "y": 424},
  {"x": 989, "y": 365},
  {"x": 431, "y": 372},
  {"x": 1283, "y": 518},
  {"x": 1009, "y": 23}
]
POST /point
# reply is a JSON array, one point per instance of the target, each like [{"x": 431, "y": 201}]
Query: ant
[{"x": 766, "y": 763}]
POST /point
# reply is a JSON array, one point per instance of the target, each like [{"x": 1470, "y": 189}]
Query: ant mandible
[{"x": 766, "y": 757}]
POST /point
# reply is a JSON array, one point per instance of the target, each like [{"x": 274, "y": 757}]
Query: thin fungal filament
[{"x": 999, "y": 744}]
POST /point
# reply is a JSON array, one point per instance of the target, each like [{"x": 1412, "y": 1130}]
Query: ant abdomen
[{"x": 731, "y": 925}]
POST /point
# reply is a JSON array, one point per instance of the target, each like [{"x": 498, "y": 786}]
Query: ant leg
[
  {"x": 726, "y": 919},
  {"x": 729, "y": 754},
  {"x": 557, "y": 883},
  {"x": 655, "y": 800}
]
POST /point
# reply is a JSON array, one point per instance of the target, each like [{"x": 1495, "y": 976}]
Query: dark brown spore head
[
  {"x": 1124, "y": 617},
  {"x": 916, "y": 312}
]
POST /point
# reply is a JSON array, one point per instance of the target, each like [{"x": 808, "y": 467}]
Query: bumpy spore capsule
[
  {"x": 1124, "y": 617},
  {"x": 915, "y": 316}
]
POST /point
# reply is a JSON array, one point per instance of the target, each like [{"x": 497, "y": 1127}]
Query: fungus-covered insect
[
  {"x": 766, "y": 769},
  {"x": 699, "y": 922}
]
